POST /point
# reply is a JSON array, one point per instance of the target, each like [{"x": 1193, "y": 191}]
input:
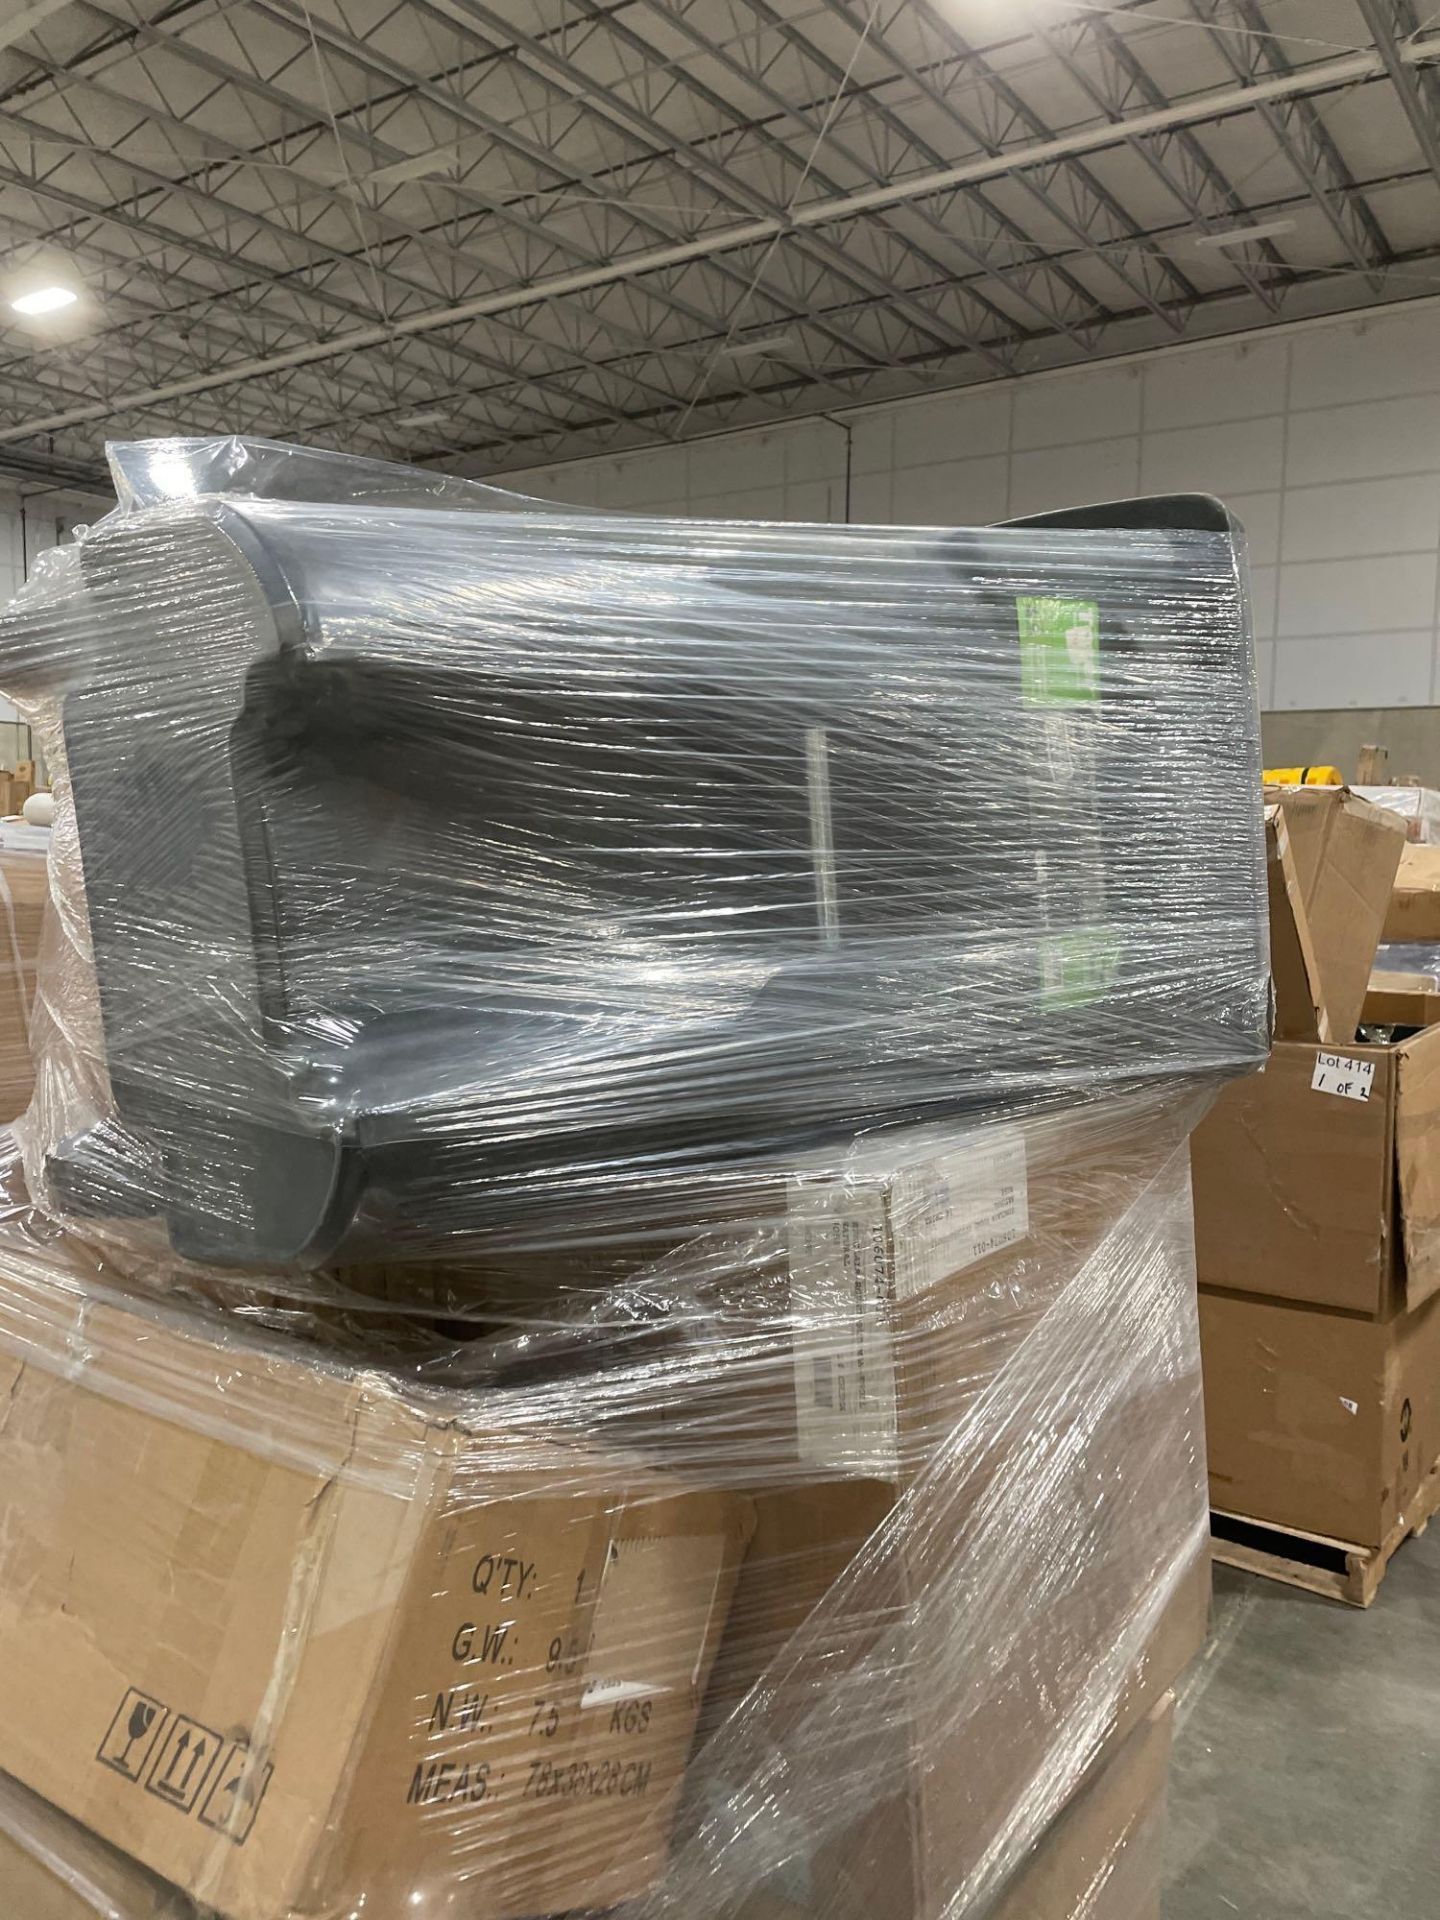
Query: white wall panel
[
  {"x": 1381, "y": 359},
  {"x": 956, "y": 494},
  {"x": 958, "y": 426},
  {"x": 1325, "y": 443},
  {"x": 1073, "y": 476},
  {"x": 1379, "y": 595},
  {"x": 1057, "y": 413},
  {"x": 1392, "y": 669},
  {"x": 1263, "y": 587},
  {"x": 1363, "y": 516},
  {"x": 1364, "y": 441},
  {"x": 1222, "y": 383},
  {"x": 1236, "y": 456}
]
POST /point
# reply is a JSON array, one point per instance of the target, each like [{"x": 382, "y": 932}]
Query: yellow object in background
[{"x": 1303, "y": 777}]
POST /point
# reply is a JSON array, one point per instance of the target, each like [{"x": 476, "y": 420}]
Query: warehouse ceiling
[{"x": 522, "y": 230}]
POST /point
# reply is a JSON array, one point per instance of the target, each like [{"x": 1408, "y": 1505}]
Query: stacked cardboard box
[
  {"x": 1101, "y": 1860},
  {"x": 341, "y": 1642},
  {"x": 920, "y": 1556},
  {"x": 1317, "y": 1199},
  {"x": 929, "y": 1495}
]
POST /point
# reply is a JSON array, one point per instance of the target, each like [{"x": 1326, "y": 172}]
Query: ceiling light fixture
[
  {"x": 419, "y": 166},
  {"x": 772, "y": 343},
  {"x": 1242, "y": 236},
  {"x": 435, "y": 419},
  {"x": 44, "y": 300}
]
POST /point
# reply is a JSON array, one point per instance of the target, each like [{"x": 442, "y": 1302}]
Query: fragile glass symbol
[{"x": 142, "y": 1718}]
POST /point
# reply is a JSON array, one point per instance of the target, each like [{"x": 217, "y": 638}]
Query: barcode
[{"x": 822, "y": 1379}]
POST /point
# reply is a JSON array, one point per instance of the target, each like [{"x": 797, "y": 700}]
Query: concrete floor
[{"x": 1306, "y": 1780}]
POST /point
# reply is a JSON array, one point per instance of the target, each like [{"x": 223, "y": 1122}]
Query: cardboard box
[
  {"x": 288, "y": 1637},
  {"x": 1101, "y": 1859},
  {"x": 1345, "y": 853},
  {"x": 1301, "y": 1009},
  {"x": 1319, "y": 1421},
  {"x": 1033, "y": 1578},
  {"x": 1414, "y": 912},
  {"x": 985, "y": 1422},
  {"x": 937, "y": 1792},
  {"x": 1319, "y": 1178},
  {"x": 842, "y": 1288},
  {"x": 15, "y": 790},
  {"x": 1104, "y": 1858},
  {"x": 1408, "y": 1000},
  {"x": 912, "y": 1267},
  {"x": 24, "y": 896}
]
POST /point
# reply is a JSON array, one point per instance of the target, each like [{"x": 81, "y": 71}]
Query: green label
[
  {"x": 1077, "y": 967},
  {"x": 1059, "y": 650}
]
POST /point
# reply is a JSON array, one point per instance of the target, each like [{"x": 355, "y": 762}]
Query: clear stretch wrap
[
  {"x": 424, "y": 870},
  {"x": 831, "y": 1567},
  {"x": 1418, "y": 807},
  {"x": 597, "y": 1295},
  {"x": 1410, "y": 956}
]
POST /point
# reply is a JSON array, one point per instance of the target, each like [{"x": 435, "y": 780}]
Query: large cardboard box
[
  {"x": 288, "y": 1637},
  {"x": 1101, "y": 1859},
  {"x": 1344, "y": 853},
  {"x": 1318, "y": 1179},
  {"x": 1414, "y": 912},
  {"x": 905, "y": 1272},
  {"x": 1322, "y": 1422},
  {"x": 1402, "y": 1000},
  {"x": 1032, "y": 1577},
  {"x": 958, "y": 1372},
  {"x": 1104, "y": 1858},
  {"x": 950, "y": 1779}
]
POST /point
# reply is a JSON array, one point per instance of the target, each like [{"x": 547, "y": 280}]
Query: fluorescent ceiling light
[
  {"x": 45, "y": 300},
  {"x": 1241, "y": 236},
  {"x": 772, "y": 343},
  {"x": 435, "y": 419},
  {"x": 421, "y": 166}
]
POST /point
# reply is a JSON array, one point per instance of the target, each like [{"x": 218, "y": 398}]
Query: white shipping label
[
  {"x": 959, "y": 1209},
  {"x": 637, "y": 1650},
  {"x": 840, "y": 1297},
  {"x": 1339, "y": 1074}
]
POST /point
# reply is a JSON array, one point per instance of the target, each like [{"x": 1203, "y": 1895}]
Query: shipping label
[
  {"x": 857, "y": 1247},
  {"x": 958, "y": 1209},
  {"x": 841, "y": 1290},
  {"x": 1340, "y": 1074}
]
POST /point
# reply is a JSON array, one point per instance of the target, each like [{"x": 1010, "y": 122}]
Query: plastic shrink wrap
[
  {"x": 596, "y": 1299},
  {"x": 1418, "y": 807},
  {"x": 424, "y": 870},
  {"x": 1410, "y": 957}
]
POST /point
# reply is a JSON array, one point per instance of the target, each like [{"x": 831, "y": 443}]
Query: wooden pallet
[{"x": 1335, "y": 1569}]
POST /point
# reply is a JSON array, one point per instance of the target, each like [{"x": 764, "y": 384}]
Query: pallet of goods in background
[
  {"x": 16, "y": 788},
  {"x": 1317, "y": 1217}
]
